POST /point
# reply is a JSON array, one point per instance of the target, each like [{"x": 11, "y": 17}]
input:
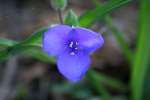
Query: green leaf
[
  {"x": 33, "y": 51},
  {"x": 35, "y": 39},
  {"x": 141, "y": 65},
  {"x": 58, "y": 4},
  {"x": 3, "y": 54},
  {"x": 24, "y": 46},
  {"x": 6, "y": 42},
  {"x": 99, "y": 12},
  {"x": 71, "y": 19},
  {"x": 4, "y": 45}
]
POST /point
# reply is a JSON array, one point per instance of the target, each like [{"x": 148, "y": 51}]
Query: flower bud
[
  {"x": 71, "y": 18},
  {"x": 58, "y": 4}
]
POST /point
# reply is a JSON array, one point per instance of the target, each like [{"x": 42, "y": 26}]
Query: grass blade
[
  {"x": 6, "y": 42},
  {"x": 99, "y": 12},
  {"x": 141, "y": 67}
]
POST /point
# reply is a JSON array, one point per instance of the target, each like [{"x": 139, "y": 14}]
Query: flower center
[{"x": 73, "y": 47}]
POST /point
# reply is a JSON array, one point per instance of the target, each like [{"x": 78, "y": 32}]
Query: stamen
[
  {"x": 76, "y": 43},
  {"x": 72, "y": 53},
  {"x": 76, "y": 48},
  {"x": 71, "y": 44}
]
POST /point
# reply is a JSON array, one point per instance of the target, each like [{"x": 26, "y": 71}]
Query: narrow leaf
[
  {"x": 99, "y": 12},
  {"x": 35, "y": 39},
  {"x": 141, "y": 65},
  {"x": 6, "y": 42}
]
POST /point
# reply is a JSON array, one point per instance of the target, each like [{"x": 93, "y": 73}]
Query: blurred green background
[{"x": 120, "y": 70}]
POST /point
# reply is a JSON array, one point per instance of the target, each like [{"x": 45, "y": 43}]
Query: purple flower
[{"x": 72, "y": 47}]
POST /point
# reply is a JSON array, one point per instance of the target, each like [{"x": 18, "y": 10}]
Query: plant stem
[{"x": 60, "y": 16}]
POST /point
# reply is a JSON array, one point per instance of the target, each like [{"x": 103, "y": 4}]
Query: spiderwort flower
[{"x": 72, "y": 47}]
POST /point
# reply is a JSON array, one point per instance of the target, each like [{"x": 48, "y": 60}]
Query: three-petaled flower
[{"x": 72, "y": 47}]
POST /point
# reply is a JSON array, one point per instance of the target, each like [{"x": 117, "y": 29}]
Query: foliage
[{"x": 141, "y": 65}]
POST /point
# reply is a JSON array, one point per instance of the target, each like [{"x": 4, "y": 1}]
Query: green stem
[{"x": 60, "y": 16}]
